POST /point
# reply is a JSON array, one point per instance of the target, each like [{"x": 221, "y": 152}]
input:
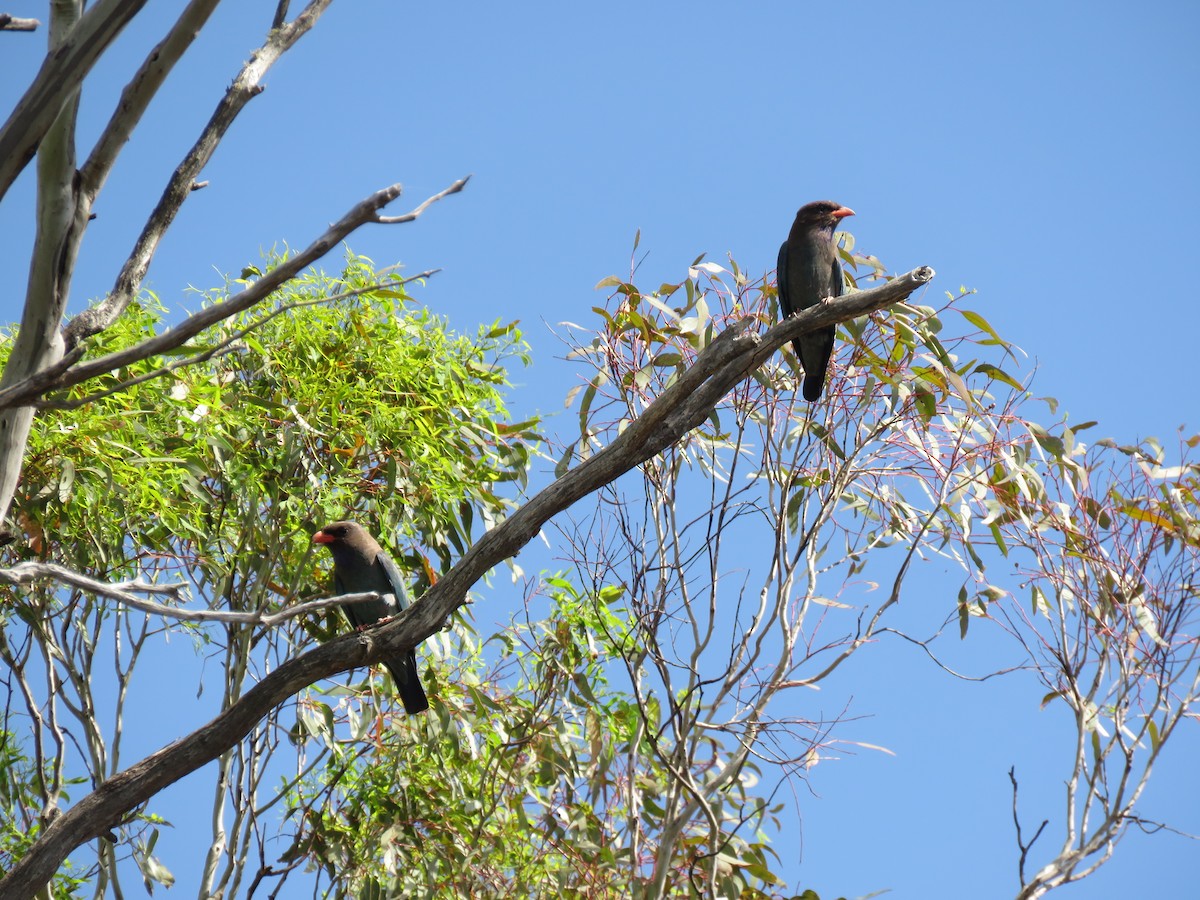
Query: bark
[
  {"x": 61, "y": 219},
  {"x": 69, "y": 61},
  {"x": 9, "y": 22},
  {"x": 245, "y": 87}
]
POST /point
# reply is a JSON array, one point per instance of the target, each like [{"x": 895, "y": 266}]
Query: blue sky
[{"x": 1041, "y": 153}]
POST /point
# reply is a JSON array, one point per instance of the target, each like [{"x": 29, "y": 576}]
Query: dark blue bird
[
  {"x": 359, "y": 566},
  {"x": 808, "y": 272}
]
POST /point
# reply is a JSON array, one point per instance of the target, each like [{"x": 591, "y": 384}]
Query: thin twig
[
  {"x": 410, "y": 216},
  {"x": 1021, "y": 845},
  {"x": 924, "y": 645}
]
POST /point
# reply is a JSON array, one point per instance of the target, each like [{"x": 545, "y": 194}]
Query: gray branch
[
  {"x": 246, "y": 86},
  {"x": 69, "y": 371},
  {"x": 58, "y": 80},
  {"x": 138, "y": 93},
  {"x": 127, "y": 593},
  {"x": 732, "y": 356},
  {"x": 12, "y": 23}
]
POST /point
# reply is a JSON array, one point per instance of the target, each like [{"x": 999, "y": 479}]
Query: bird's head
[
  {"x": 340, "y": 533},
  {"x": 349, "y": 543},
  {"x": 822, "y": 214}
]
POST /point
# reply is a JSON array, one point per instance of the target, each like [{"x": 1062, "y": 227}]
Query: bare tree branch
[
  {"x": 245, "y": 87},
  {"x": 65, "y": 374},
  {"x": 412, "y": 216},
  {"x": 12, "y": 23},
  {"x": 29, "y": 572},
  {"x": 57, "y": 82},
  {"x": 1022, "y": 845},
  {"x": 224, "y": 346},
  {"x": 138, "y": 93},
  {"x": 733, "y": 355}
]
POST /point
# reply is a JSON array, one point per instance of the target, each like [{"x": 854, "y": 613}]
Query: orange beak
[{"x": 843, "y": 212}]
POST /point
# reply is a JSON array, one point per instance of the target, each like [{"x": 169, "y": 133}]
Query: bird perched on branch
[
  {"x": 807, "y": 273},
  {"x": 360, "y": 565}
]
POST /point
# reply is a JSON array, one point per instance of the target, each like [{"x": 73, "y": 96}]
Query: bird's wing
[
  {"x": 839, "y": 283},
  {"x": 785, "y": 305},
  {"x": 395, "y": 579}
]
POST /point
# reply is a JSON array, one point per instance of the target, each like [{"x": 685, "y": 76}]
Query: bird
[
  {"x": 808, "y": 271},
  {"x": 361, "y": 565}
]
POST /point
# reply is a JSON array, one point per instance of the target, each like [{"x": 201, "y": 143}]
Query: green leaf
[
  {"x": 964, "y": 613},
  {"x": 998, "y": 374},
  {"x": 982, "y": 324}
]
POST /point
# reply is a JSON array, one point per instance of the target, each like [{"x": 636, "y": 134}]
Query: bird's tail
[
  {"x": 408, "y": 683},
  {"x": 813, "y": 385}
]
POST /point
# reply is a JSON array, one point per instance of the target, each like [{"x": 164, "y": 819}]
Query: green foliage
[
  {"x": 364, "y": 406},
  {"x": 536, "y": 777},
  {"x": 19, "y": 823}
]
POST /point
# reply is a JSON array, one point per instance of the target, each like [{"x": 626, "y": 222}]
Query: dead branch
[
  {"x": 136, "y": 96},
  {"x": 12, "y": 23},
  {"x": 58, "y": 80},
  {"x": 138, "y": 93},
  {"x": 29, "y": 572},
  {"x": 69, "y": 371}
]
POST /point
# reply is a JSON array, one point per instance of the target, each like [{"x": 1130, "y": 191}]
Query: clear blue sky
[{"x": 1042, "y": 153}]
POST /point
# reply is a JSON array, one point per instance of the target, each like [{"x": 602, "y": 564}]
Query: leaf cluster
[{"x": 536, "y": 776}]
